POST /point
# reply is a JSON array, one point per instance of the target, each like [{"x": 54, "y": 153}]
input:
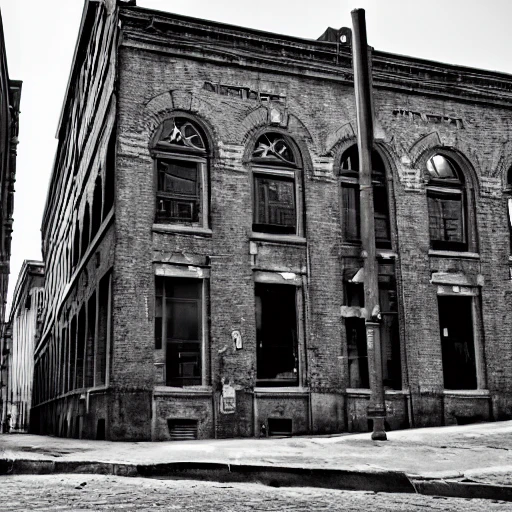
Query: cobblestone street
[{"x": 96, "y": 492}]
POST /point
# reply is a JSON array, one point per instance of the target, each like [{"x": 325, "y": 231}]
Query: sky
[{"x": 40, "y": 37}]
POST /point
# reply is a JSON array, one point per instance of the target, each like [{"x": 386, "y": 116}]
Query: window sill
[
  {"x": 278, "y": 390},
  {"x": 176, "y": 228},
  {"x": 269, "y": 237},
  {"x": 368, "y": 392},
  {"x": 185, "y": 391},
  {"x": 467, "y": 392},
  {"x": 454, "y": 254}
]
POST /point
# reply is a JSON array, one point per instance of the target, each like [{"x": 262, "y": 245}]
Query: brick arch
[
  {"x": 341, "y": 138},
  {"x": 168, "y": 103},
  {"x": 256, "y": 123},
  {"x": 502, "y": 165},
  {"x": 430, "y": 141}
]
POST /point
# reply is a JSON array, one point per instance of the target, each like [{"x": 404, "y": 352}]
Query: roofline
[
  {"x": 305, "y": 41},
  {"x": 20, "y": 282},
  {"x": 85, "y": 11}
]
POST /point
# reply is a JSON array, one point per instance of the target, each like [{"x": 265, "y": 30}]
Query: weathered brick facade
[{"x": 234, "y": 86}]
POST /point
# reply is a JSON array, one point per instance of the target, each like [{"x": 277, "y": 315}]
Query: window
[
  {"x": 349, "y": 177},
  {"x": 179, "y": 326},
  {"x": 446, "y": 204},
  {"x": 275, "y": 183},
  {"x": 276, "y": 335},
  {"x": 457, "y": 343},
  {"x": 389, "y": 331},
  {"x": 181, "y": 159}
]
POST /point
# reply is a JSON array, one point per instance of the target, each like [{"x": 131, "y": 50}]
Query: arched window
[
  {"x": 181, "y": 155},
  {"x": 275, "y": 166},
  {"x": 447, "y": 204},
  {"x": 349, "y": 177}
]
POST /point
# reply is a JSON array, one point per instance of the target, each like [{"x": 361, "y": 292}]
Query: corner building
[{"x": 202, "y": 242}]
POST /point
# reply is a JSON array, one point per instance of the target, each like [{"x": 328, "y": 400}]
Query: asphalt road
[{"x": 96, "y": 492}]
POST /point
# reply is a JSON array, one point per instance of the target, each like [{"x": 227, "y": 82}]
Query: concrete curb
[{"x": 275, "y": 476}]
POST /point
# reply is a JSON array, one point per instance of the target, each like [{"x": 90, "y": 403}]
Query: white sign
[{"x": 237, "y": 339}]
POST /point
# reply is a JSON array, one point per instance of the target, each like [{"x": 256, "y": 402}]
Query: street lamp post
[{"x": 363, "y": 93}]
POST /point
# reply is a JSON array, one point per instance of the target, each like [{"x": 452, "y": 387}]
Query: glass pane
[
  {"x": 183, "y": 288},
  {"x": 350, "y": 198},
  {"x": 183, "y": 362},
  {"x": 446, "y": 218},
  {"x": 178, "y": 177},
  {"x": 182, "y": 320},
  {"x": 357, "y": 353},
  {"x": 274, "y": 147},
  {"x": 440, "y": 167},
  {"x": 275, "y": 202}
]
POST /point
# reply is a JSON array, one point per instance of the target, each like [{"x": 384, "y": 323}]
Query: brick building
[
  {"x": 20, "y": 335},
  {"x": 201, "y": 237},
  {"x": 10, "y": 95}
]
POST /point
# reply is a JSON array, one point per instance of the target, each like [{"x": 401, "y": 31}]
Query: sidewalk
[{"x": 428, "y": 460}]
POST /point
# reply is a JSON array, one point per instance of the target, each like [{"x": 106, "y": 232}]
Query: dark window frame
[
  {"x": 348, "y": 176},
  {"x": 190, "y": 348},
  {"x": 272, "y": 168},
  {"x": 459, "y": 186},
  {"x": 291, "y": 376},
  {"x": 171, "y": 206}
]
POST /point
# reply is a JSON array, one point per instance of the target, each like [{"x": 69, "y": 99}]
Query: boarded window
[{"x": 276, "y": 335}]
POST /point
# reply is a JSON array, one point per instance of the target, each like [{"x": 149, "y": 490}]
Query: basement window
[{"x": 276, "y": 334}]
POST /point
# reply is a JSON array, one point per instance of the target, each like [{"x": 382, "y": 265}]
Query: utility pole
[{"x": 363, "y": 92}]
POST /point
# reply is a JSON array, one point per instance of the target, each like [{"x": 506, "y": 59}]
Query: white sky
[{"x": 41, "y": 34}]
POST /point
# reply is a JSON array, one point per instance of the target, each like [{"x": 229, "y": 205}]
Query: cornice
[{"x": 252, "y": 49}]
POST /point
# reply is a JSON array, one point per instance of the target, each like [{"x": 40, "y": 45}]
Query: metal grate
[{"x": 182, "y": 430}]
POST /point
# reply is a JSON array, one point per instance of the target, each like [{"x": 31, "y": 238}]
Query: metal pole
[{"x": 363, "y": 92}]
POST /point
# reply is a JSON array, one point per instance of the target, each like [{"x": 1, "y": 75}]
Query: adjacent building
[
  {"x": 10, "y": 94},
  {"x": 201, "y": 237},
  {"x": 20, "y": 335}
]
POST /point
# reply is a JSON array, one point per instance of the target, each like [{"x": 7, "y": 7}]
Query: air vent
[
  {"x": 182, "y": 430},
  {"x": 279, "y": 427}
]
